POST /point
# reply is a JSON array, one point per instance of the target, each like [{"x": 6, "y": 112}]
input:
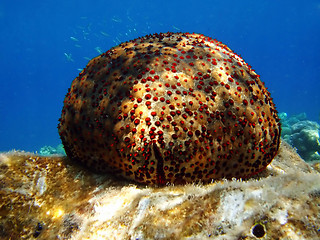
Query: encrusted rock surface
[
  {"x": 302, "y": 134},
  {"x": 51, "y": 198}
]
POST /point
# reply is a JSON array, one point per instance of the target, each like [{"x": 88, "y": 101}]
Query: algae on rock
[{"x": 52, "y": 198}]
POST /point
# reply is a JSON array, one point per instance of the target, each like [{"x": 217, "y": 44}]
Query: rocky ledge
[{"x": 52, "y": 198}]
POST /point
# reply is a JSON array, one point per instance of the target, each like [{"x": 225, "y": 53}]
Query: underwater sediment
[{"x": 52, "y": 198}]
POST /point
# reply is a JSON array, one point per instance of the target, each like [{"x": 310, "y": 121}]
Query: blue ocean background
[{"x": 45, "y": 44}]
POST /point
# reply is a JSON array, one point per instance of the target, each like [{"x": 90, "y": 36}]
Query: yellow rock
[{"x": 52, "y": 198}]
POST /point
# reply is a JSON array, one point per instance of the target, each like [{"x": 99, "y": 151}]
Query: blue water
[{"x": 43, "y": 44}]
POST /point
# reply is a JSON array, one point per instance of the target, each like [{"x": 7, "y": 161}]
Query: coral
[
  {"x": 302, "y": 134},
  {"x": 51, "y": 198},
  {"x": 49, "y": 150},
  {"x": 173, "y": 107}
]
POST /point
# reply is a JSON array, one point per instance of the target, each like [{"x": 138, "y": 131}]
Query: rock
[
  {"x": 49, "y": 150},
  {"x": 296, "y": 118},
  {"x": 283, "y": 116},
  {"x": 303, "y": 135},
  {"x": 285, "y": 131},
  {"x": 304, "y": 125},
  {"x": 52, "y": 198}
]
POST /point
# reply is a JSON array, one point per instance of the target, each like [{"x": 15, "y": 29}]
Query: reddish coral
[{"x": 170, "y": 107}]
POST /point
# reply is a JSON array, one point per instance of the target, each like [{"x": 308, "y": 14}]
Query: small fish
[
  {"x": 118, "y": 39},
  {"x": 74, "y": 39},
  {"x": 116, "y": 19},
  {"x": 85, "y": 34},
  {"x": 77, "y": 45},
  {"x": 98, "y": 49},
  {"x": 105, "y": 34},
  {"x": 80, "y": 27},
  {"x": 178, "y": 29},
  {"x": 87, "y": 58},
  {"x": 69, "y": 57},
  {"x": 89, "y": 27}
]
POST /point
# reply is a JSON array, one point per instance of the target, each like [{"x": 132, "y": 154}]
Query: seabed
[{"x": 53, "y": 198}]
